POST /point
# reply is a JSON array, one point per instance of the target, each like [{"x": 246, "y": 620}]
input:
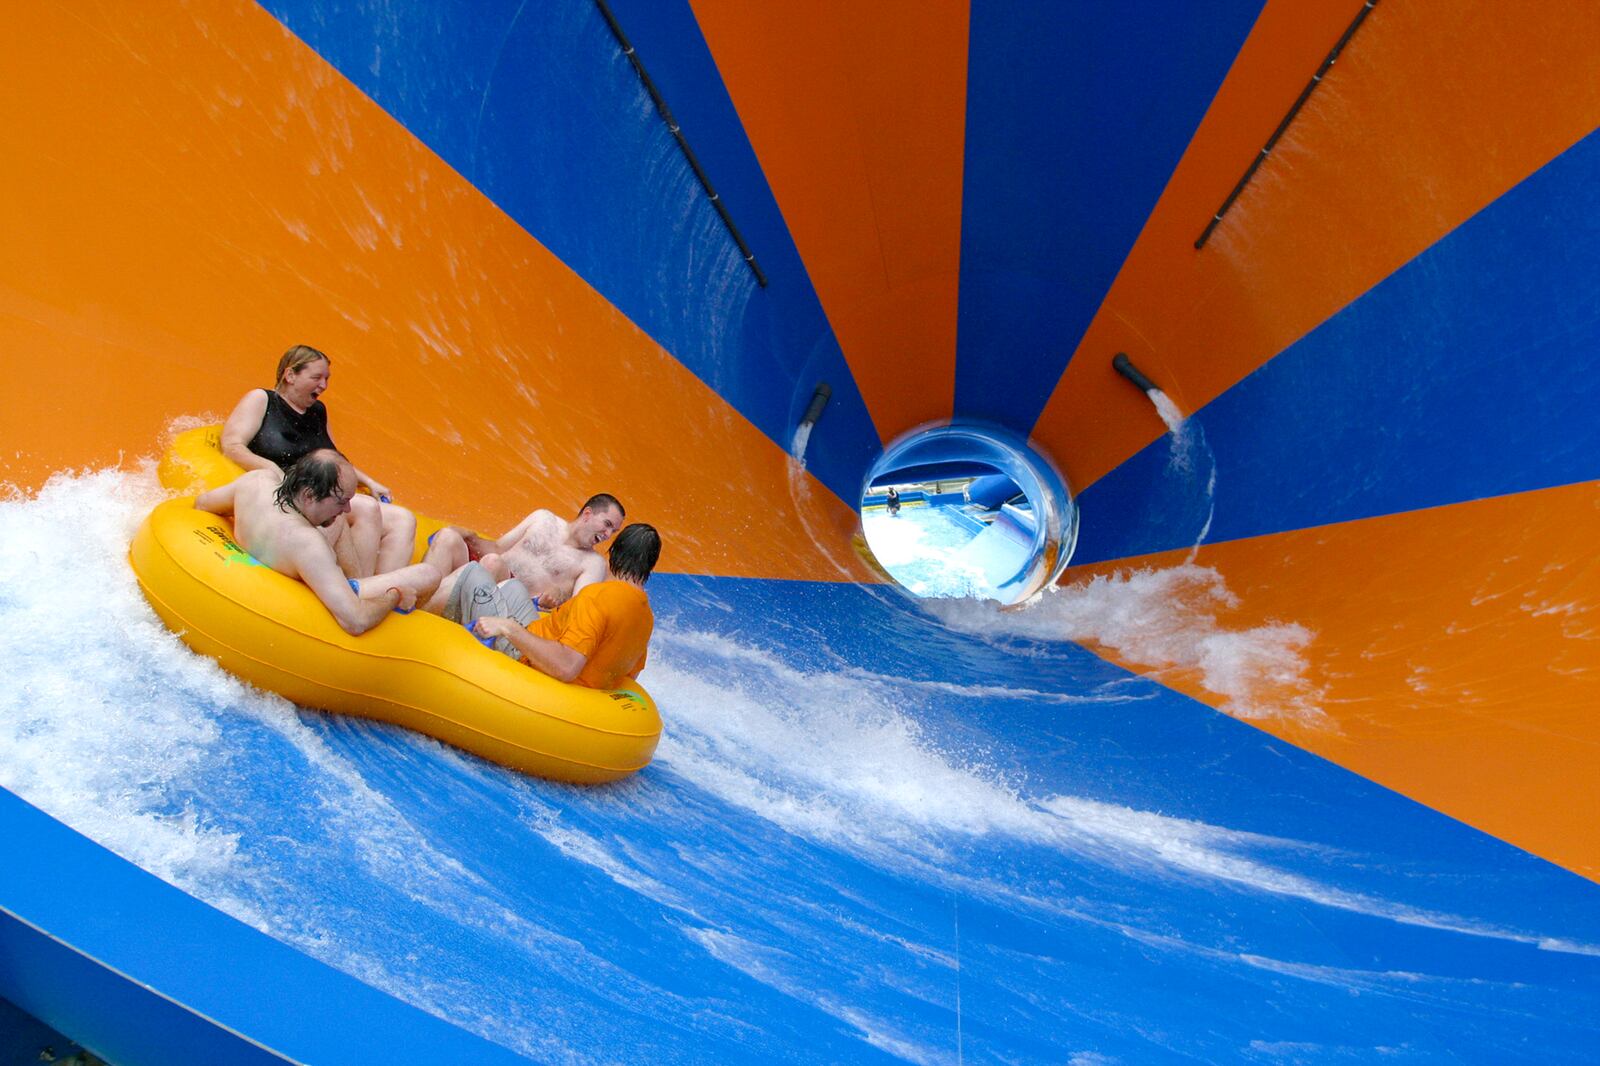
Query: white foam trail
[
  {"x": 902, "y": 547},
  {"x": 772, "y": 967},
  {"x": 1188, "y": 451},
  {"x": 797, "y": 447},
  {"x": 109, "y": 722},
  {"x": 825, "y": 758},
  {"x": 112, "y": 716},
  {"x": 1167, "y": 408},
  {"x": 97, "y": 720},
  {"x": 1165, "y": 620},
  {"x": 112, "y": 726},
  {"x": 827, "y": 542},
  {"x": 894, "y": 542}
]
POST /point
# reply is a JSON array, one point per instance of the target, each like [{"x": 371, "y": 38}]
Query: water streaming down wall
[{"x": 1295, "y": 766}]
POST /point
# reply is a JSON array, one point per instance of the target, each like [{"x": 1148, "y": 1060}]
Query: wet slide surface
[
  {"x": 1088, "y": 832},
  {"x": 867, "y": 835}
]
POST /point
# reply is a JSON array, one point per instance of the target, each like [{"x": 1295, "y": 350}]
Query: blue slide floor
[{"x": 867, "y": 836}]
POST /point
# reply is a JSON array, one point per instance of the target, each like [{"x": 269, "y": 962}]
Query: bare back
[
  {"x": 544, "y": 559},
  {"x": 283, "y": 540},
  {"x": 289, "y": 541}
]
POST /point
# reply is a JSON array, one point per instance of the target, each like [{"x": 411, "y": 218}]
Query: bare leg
[
  {"x": 416, "y": 583},
  {"x": 399, "y": 534},
  {"x": 447, "y": 551},
  {"x": 493, "y": 564},
  {"x": 357, "y": 546},
  {"x": 441, "y": 596}
]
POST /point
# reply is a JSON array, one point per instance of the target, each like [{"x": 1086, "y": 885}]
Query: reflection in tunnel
[{"x": 968, "y": 511}]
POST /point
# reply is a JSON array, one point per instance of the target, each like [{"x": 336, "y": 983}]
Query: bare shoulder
[
  {"x": 254, "y": 401},
  {"x": 247, "y": 416},
  {"x": 256, "y": 483},
  {"x": 299, "y": 550},
  {"x": 542, "y": 525}
]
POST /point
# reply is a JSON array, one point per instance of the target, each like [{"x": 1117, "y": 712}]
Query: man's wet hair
[
  {"x": 316, "y": 472},
  {"x": 634, "y": 552},
  {"x": 601, "y": 501}
]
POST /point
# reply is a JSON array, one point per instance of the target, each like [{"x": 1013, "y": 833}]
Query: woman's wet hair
[
  {"x": 634, "y": 552},
  {"x": 315, "y": 472},
  {"x": 295, "y": 358}
]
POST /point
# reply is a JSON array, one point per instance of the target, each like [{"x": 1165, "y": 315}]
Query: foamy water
[
  {"x": 829, "y": 757},
  {"x": 1171, "y": 621},
  {"x": 836, "y": 782},
  {"x": 797, "y": 446},
  {"x": 924, "y": 554},
  {"x": 1189, "y": 460},
  {"x": 97, "y": 721}
]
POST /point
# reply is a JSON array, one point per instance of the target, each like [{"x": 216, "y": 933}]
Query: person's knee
[
  {"x": 520, "y": 606},
  {"x": 474, "y": 591},
  {"x": 397, "y": 521},
  {"x": 365, "y": 511},
  {"x": 446, "y": 550}
]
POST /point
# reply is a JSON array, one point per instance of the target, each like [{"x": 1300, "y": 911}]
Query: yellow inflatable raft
[{"x": 416, "y": 670}]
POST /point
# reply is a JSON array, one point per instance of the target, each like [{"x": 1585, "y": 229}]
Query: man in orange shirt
[{"x": 598, "y": 638}]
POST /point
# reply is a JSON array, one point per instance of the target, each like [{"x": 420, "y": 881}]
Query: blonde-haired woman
[{"x": 270, "y": 428}]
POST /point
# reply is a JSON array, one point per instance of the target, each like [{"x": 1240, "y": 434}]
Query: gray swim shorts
[{"x": 477, "y": 596}]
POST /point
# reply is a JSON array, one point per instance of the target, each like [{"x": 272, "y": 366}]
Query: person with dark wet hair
[
  {"x": 282, "y": 521},
  {"x": 599, "y": 638},
  {"x": 316, "y": 473},
  {"x": 270, "y": 429}
]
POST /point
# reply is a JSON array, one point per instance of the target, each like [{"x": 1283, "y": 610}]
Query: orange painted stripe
[
  {"x": 192, "y": 191},
  {"x": 857, "y": 113},
  {"x": 1456, "y": 656},
  {"x": 1432, "y": 112}
]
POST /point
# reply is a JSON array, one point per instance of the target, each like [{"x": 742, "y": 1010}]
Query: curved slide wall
[{"x": 1325, "y": 780}]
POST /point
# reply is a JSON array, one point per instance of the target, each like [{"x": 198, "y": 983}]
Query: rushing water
[{"x": 869, "y": 833}]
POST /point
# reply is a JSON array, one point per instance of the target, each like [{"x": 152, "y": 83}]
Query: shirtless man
[
  {"x": 598, "y": 639},
  {"x": 551, "y": 557},
  {"x": 281, "y": 521}
]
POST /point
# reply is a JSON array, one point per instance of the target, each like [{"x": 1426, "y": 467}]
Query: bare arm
[
  {"x": 593, "y": 570},
  {"x": 318, "y": 568},
  {"x": 240, "y": 429},
  {"x": 481, "y": 546},
  {"x": 514, "y": 537},
  {"x": 548, "y": 656},
  {"x": 218, "y": 501},
  {"x": 477, "y": 547}
]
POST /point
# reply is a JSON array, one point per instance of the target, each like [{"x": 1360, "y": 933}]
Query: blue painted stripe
[
  {"x": 141, "y": 972},
  {"x": 1076, "y": 116},
  {"x": 1469, "y": 373},
  {"x": 537, "y": 106}
]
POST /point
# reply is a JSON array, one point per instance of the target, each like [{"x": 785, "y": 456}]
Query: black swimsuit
[{"x": 285, "y": 434}]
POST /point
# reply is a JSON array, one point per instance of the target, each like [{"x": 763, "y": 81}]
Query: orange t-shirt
[{"x": 610, "y": 622}]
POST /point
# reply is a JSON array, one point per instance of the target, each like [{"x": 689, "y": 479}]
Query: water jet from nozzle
[
  {"x": 1124, "y": 366},
  {"x": 1169, "y": 412},
  {"x": 819, "y": 400},
  {"x": 802, "y": 432}
]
